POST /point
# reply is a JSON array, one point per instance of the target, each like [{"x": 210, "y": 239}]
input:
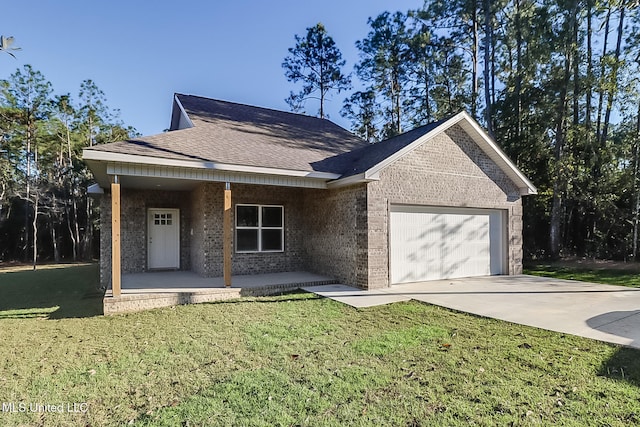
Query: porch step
[{"x": 132, "y": 302}]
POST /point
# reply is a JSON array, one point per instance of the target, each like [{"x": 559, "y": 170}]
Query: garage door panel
[{"x": 437, "y": 245}]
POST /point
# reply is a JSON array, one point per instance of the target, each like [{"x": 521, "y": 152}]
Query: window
[
  {"x": 259, "y": 228},
  {"x": 162, "y": 219}
]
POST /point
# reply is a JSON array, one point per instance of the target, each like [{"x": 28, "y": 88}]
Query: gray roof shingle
[
  {"x": 364, "y": 158},
  {"x": 231, "y": 133},
  {"x": 238, "y": 134}
]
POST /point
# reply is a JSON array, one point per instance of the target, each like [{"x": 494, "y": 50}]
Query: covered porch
[
  {"x": 184, "y": 232},
  {"x": 142, "y": 291}
]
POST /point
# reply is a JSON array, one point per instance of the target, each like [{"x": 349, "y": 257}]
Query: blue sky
[{"x": 141, "y": 52}]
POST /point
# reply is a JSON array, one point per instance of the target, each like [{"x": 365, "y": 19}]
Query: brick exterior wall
[
  {"x": 292, "y": 259},
  {"x": 105, "y": 241},
  {"x": 206, "y": 230},
  {"x": 449, "y": 171},
  {"x": 336, "y": 233},
  {"x": 207, "y": 202}
]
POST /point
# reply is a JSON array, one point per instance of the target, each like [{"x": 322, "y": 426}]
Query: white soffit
[{"x": 113, "y": 158}]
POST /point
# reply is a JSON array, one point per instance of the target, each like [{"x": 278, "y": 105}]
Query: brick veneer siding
[
  {"x": 133, "y": 229},
  {"x": 335, "y": 237},
  {"x": 292, "y": 258},
  {"x": 206, "y": 244},
  {"x": 449, "y": 170},
  {"x": 105, "y": 241},
  {"x": 206, "y": 233}
]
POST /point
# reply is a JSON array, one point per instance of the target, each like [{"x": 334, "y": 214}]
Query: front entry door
[{"x": 163, "y": 244}]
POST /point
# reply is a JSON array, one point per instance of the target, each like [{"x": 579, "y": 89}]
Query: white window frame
[{"x": 259, "y": 228}]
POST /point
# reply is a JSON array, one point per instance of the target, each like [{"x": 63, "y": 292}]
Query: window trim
[{"x": 259, "y": 228}]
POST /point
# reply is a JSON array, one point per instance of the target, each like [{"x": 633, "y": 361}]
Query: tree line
[
  {"x": 554, "y": 82},
  {"x": 45, "y": 211}
]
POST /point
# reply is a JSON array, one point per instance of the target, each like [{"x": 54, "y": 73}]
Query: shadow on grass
[
  {"x": 624, "y": 365},
  {"x": 295, "y": 295},
  {"x": 65, "y": 291}
]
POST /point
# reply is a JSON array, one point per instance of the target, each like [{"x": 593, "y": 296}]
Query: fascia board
[
  {"x": 106, "y": 156},
  {"x": 481, "y": 137},
  {"x": 354, "y": 179}
]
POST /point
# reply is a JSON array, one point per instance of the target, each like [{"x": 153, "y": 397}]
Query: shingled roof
[
  {"x": 364, "y": 158},
  {"x": 224, "y": 135},
  {"x": 231, "y": 133}
]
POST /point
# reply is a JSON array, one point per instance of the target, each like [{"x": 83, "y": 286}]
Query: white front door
[{"x": 163, "y": 244}]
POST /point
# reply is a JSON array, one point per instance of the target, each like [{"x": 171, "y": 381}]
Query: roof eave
[
  {"x": 353, "y": 179},
  {"x": 111, "y": 157}
]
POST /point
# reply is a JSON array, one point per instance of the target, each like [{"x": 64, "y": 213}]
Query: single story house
[{"x": 233, "y": 189}]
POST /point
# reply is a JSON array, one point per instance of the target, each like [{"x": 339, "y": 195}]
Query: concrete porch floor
[
  {"x": 143, "y": 291},
  {"x": 188, "y": 281}
]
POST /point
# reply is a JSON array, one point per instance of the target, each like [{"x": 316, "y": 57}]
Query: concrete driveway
[{"x": 602, "y": 312}]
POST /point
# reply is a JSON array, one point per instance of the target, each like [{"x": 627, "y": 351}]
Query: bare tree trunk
[
  {"x": 74, "y": 242},
  {"x": 76, "y": 226},
  {"x": 614, "y": 78},
  {"x": 36, "y": 194},
  {"x": 558, "y": 182},
  {"x": 474, "y": 59},
  {"x": 636, "y": 208},
  {"x": 518, "y": 72},
  {"x": 427, "y": 95},
  {"x": 396, "y": 102},
  {"x": 488, "y": 33},
  {"x": 88, "y": 233},
  {"x": 576, "y": 73},
  {"x": 54, "y": 236},
  {"x": 636, "y": 187},
  {"x": 602, "y": 73},
  {"x": 75, "y": 231},
  {"x": 35, "y": 228},
  {"x": 589, "y": 86},
  {"x": 322, "y": 91},
  {"x": 27, "y": 195},
  {"x": 4, "y": 190}
]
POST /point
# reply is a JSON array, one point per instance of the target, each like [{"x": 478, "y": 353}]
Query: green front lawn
[
  {"x": 297, "y": 360},
  {"x": 608, "y": 273}
]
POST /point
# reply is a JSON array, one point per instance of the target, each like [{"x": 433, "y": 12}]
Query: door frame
[{"x": 176, "y": 225}]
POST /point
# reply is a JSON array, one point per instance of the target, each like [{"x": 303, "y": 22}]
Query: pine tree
[{"x": 315, "y": 61}]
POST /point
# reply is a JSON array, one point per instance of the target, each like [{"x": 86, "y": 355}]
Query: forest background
[{"x": 554, "y": 82}]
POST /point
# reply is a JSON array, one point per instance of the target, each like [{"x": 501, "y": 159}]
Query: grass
[
  {"x": 611, "y": 273},
  {"x": 52, "y": 291},
  {"x": 299, "y": 360}
]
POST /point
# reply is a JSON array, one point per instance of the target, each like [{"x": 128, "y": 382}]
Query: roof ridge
[{"x": 242, "y": 104}]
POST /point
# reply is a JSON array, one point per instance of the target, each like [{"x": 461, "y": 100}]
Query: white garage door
[{"x": 429, "y": 243}]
